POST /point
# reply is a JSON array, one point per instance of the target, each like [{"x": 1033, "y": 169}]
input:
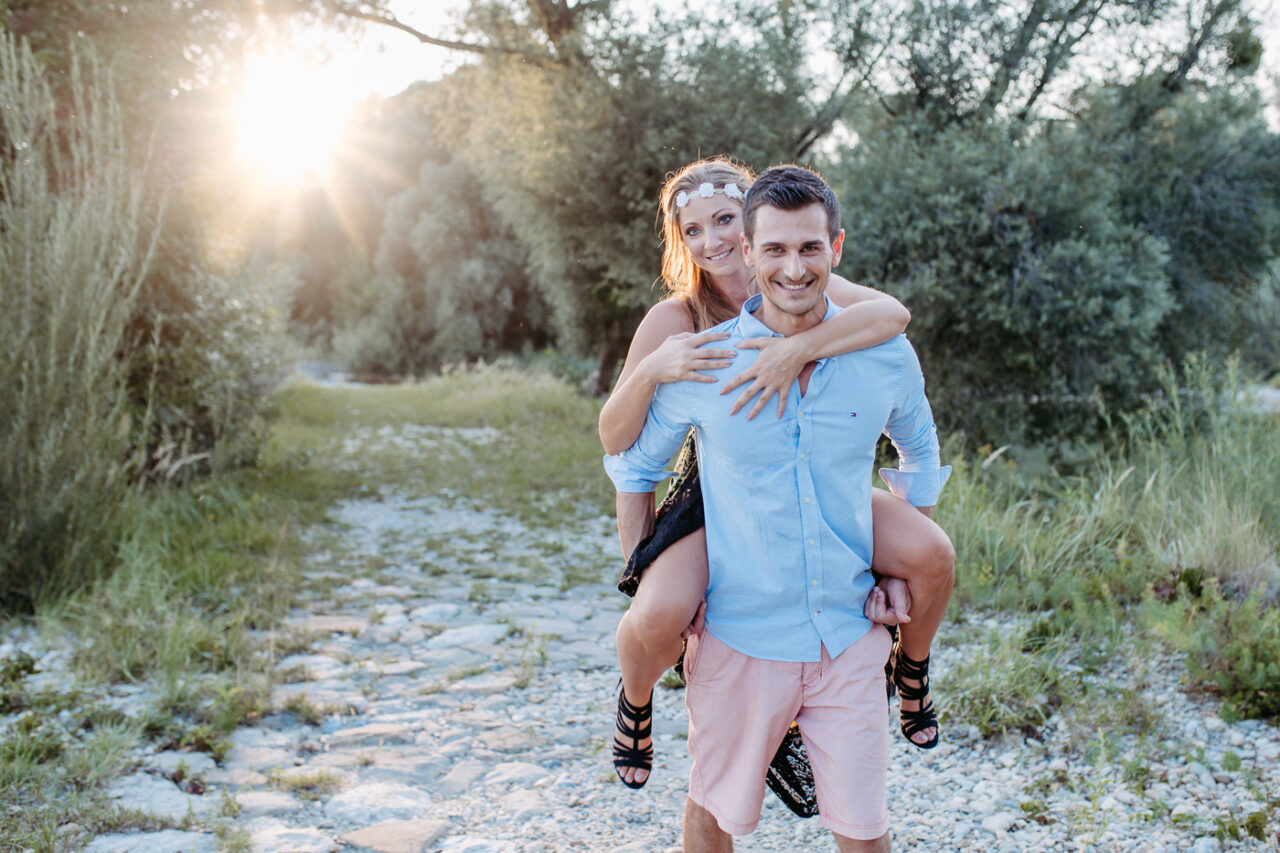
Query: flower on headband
[{"x": 706, "y": 190}]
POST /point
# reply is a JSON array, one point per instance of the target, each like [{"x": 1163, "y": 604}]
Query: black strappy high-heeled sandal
[
  {"x": 632, "y": 756},
  {"x": 924, "y": 717}
]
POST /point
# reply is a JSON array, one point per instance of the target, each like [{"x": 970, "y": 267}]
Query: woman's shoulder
[{"x": 671, "y": 316}]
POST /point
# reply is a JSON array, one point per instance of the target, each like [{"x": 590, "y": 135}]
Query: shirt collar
[{"x": 750, "y": 327}]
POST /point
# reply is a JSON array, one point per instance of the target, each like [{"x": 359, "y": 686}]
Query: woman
[{"x": 708, "y": 279}]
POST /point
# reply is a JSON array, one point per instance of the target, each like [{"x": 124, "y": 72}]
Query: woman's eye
[{"x": 726, "y": 219}]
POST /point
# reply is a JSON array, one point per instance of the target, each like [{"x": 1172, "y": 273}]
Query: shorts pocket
[{"x": 693, "y": 651}]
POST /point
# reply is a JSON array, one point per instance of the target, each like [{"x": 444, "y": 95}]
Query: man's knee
[{"x": 854, "y": 845}]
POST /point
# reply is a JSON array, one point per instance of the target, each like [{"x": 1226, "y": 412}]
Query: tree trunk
[{"x": 611, "y": 353}]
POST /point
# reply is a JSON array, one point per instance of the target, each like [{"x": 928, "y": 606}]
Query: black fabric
[
  {"x": 790, "y": 777},
  {"x": 679, "y": 514}
]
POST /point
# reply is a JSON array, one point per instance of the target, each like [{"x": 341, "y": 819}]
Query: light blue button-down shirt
[{"x": 788, "y": 500}]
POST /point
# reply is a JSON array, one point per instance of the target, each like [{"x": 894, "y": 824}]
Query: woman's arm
[
  {"x": 664, "y": 349},
  {"x": 869, "y": 318}
]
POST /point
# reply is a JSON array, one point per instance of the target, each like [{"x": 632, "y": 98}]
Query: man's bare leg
[
  {"x": 851, "y": 845},
  {"x": 702, "y": 834}
]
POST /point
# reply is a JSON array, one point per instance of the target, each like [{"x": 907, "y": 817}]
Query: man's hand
[
  {"x": 889, "y": 602},
  {"x": 779, "y": 364},
  {"x": 699, "y": 619}
]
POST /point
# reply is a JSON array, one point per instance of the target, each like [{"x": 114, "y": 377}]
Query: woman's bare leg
[
  {"x": 908, "y": 545},
  {"x": 649, "y": 634}
]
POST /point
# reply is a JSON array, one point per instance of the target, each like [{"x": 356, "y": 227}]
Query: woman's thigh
[
  {"x": 907, "y": 542},
  {"x": 673, "y": 586}
]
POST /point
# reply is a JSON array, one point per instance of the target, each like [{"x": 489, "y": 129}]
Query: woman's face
[{"x": 712, "y": 231}]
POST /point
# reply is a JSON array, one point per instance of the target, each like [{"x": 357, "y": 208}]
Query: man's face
[{"x": 792, "y": 256}]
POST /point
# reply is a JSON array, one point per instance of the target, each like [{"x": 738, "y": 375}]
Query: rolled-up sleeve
[
  {"x": 643, "y": 465},
  {"x": 920, "y": 476}
]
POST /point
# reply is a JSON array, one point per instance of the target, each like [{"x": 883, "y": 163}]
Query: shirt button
[
  {"x": 801, "y": 455},
  {"x": 806, "y": 500},
  {"x": 810, "y": 541},
  {"x": 815, "y": 583}
]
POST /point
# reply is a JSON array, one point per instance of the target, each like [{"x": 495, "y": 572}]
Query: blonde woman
[{"x": 708, "y": 281}]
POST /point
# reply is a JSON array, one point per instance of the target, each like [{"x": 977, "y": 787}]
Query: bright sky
[{"x": 386, "y": 60}]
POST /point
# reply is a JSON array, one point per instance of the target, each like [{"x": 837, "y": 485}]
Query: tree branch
[
  {"x": 1013, "y": 56},
  {"x": 387, "y": 19}
]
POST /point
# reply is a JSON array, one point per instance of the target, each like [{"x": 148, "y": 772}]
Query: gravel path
[{"x": 463, "y": 679}]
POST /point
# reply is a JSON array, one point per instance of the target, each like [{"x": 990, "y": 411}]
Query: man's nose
[{"x": 792, "y": 268}]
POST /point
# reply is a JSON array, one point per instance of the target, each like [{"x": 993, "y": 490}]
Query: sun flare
[{"x": 290, "y": 116}]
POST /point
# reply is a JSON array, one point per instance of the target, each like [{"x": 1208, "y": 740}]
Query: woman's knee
[{"x": 657, "y": 621}]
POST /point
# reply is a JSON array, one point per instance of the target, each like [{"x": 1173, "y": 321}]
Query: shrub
[
  {"x": 1232, "y": 649},
  {"x": 77, "y": 244}
]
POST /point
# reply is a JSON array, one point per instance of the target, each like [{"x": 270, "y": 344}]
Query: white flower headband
[{"x": 707, "y": 190}]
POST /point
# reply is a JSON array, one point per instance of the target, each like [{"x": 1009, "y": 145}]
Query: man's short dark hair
[{"x": 789, "y": 187}]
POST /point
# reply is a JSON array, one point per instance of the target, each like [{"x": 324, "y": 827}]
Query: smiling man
[{"x": 788, "y": 511}]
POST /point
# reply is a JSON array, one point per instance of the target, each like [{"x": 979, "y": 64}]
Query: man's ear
[
  {"x": 837, "y": 246},
  {"x": 746, "y": 251}
]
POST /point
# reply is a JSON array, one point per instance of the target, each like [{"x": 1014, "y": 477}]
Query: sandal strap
[
  {"x": 625, "y": 755},
  {"x": 916, "y": 670}
]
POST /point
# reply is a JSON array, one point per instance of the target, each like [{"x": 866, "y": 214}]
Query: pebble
[{"x": 467, "y": 691}]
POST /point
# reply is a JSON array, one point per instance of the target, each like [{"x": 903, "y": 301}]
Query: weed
[
  {"x": 304, "y": 709},
  {"x": 1037, "y": 811},
  {"x": 1001, "y": 688},
  {"x": 310, "y": 786}
]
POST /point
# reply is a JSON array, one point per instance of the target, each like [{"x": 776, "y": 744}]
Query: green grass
[
  {"x": 544, "y": 467},
  {"x": 204, "y": 567},
  {"x": 1165, "y": 540}
]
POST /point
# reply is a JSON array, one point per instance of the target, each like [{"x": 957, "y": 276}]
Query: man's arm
[
  {"x": 920, "y": 476},
  {"x": 635, "y": 519},
  {"x": 638, "y": 469}
]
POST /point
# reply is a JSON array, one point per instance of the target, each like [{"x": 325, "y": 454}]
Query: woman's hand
[
  {"x": 780, "y": 362},
  {"x": 679, "y": 357},
  {"x": 888, "y": 602}
]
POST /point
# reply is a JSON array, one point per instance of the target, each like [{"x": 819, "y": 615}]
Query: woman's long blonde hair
[{"x": 685, "y": 279}]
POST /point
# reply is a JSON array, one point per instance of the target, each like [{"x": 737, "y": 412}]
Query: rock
[
  {"x": 399, "y": 836},
  {"x": 264, "y": 803},
  {"x": 168, "y": 841},
  {"x": 375, "y": 734},
  {"x": 486, "y": 683},
  {"x": 998, "y": 824},
  {"x": 516, "y": 773},
  {"x": 315, "y": 666},
  {"x": 460, "y": 778},
  {"x": 196, "y": 763},
  {"x": 435, "y": 613},
  {"x": 470, "y": 635},
  {"x": 474, "y": 844},
  {"x": 523, "y": 804},
  {"x": 509, "y": 739},
  {"x": 332, "y": 624},
  {"x": 272, "y": 836},
  {"x": 377, "y": 801},
  {"x": 158, "y": 797}
]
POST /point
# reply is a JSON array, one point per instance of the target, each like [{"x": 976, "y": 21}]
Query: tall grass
[
  {"x": 1174, "y": 528},
  {"x": 78, "y": 235}
]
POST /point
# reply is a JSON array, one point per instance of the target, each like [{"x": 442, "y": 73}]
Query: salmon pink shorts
[{"x": 740, "y": 707}]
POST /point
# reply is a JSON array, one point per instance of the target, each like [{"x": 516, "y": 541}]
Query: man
[{"x": 788, "y": 510}]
